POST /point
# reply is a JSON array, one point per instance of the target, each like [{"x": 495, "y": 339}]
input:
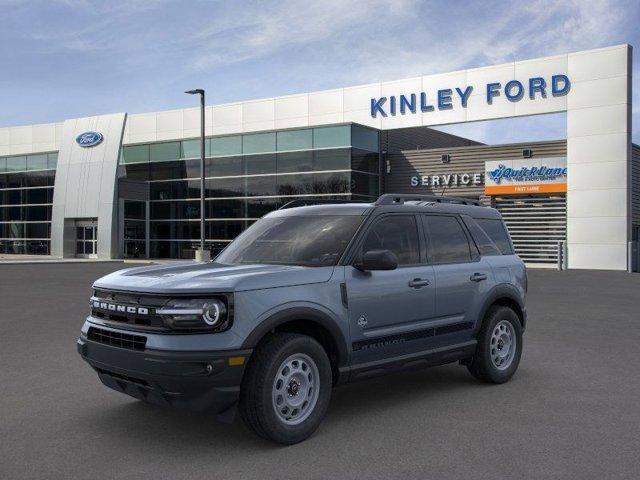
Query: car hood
[{"x": 191, "y": 277}]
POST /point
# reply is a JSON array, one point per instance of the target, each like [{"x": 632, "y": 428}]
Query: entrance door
[
  {"x": 87, "y": 239},
  {"x": 389, "y": 311}
]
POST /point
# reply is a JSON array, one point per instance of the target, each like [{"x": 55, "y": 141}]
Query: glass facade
[
  {"x": 247, "y": 176},
  {"x": 26, "y": 196}
]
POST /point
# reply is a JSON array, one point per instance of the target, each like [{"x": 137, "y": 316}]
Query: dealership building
[{"x": 128, "y": 185}]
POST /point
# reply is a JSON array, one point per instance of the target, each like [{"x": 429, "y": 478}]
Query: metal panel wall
[
  {"x": 635, "y": 185},
  {"x": 536, "y": 225},
  {"x": 419, "y": 138}
]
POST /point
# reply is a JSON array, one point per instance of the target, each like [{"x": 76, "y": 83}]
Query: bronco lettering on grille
[{"x": 119, "y": 308}]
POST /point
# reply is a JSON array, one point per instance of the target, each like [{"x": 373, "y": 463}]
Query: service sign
[{"x": 522, "y": 176}]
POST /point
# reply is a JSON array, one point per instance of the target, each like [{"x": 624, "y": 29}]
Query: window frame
[
  {"x": 353, "y": 251},
  {"x": 468, "y": 221},
  {"x": 474, "y": 253},
  {"x": 504, "y": 229}
]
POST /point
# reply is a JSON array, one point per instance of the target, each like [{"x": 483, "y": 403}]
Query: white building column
[
  {"x": 599, "y": 158},
  {"x": 86, "y": 184}
]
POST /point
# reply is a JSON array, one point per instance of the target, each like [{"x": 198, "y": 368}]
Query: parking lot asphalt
[{"x": 571, "y": 411}]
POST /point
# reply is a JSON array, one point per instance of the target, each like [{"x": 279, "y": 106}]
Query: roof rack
[
  {"x": 303, "y": 203},
  {"x": 399, "y": 199}
]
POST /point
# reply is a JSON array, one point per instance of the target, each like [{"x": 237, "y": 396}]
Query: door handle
[
  {"x": 418, "y": 282},
  {"x": 478, "y": 277}
]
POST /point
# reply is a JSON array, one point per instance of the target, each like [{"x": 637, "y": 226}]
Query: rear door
[
  {"x": 387, "y": 308},
  {"x": 462, "y": 277}
]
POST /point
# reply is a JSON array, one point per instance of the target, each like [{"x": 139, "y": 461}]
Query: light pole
[{"x": 202, "y": 255}]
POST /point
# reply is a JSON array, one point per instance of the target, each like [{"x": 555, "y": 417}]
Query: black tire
[
  {"x": 481, "y": 366},
  {"x": 256, "y": 405}
]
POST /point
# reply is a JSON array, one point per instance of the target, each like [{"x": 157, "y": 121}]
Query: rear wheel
[
  {"x": 286, "y": 389},
  {"x": 499, "y": 346}
]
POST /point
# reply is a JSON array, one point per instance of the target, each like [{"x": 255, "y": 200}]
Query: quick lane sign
[
  {"x": 448, "y": 98},
  {"x": 543, "y": 175}
]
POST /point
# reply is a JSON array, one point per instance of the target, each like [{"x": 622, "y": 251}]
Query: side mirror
[{"x": 377, "y": 260}]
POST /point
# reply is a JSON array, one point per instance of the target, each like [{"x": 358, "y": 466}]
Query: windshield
[{"x": 312, "y": 241}]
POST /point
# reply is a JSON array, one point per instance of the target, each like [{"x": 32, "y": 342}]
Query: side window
[
  {"x": 397, "y": 233},
  {"x": 485, "y": 245},
  {"x": 497, "y": 232},
  {"x": 447, "y": 241}
]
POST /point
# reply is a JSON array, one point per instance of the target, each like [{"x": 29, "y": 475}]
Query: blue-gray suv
[{"x": 310, "y": 297}]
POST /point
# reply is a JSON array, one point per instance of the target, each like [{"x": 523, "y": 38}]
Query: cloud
[
  {"x": 512, "y": 130},
  {"x": 262, "y": 29},
  {"x": 254, "y": 49}
]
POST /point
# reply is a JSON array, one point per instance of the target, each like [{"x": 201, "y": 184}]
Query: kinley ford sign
[
  {"x": 447, "y": 98},
  {"x": 504, "y": 177}
]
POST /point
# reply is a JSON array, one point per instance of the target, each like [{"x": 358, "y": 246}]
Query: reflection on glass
[
  {"x": 260, "y": 164},
  {"x": 261, "y": 186},
  {"x": 191, "y": 148},
  {"x": 365, "y": 161},
  {"x": 225, "y": 187},
  {"x": 313, "y": 241},
  {"x": 16, "y": 164},
  {"x": 259, "y": 143},
  {"x": 327, "y": 137},
  {"x": 162, "y": 152},
  {"x": 364, "y": 138},
  {"x": 332, "y": 159},
  {"x": 224, "y": 146},
  {"x": 37, "y": 162},
  {"x": 223, "y": 166},
  {"x": 295, "y": 162},
  {"x": 295, "y": 140},
  {"x": 135, "y": 154}
]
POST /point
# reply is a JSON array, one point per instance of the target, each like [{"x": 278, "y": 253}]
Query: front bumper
[{"x": 198, "y": 381}]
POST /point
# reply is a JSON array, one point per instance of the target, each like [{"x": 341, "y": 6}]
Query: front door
[
  {"x": 87, "y": 239},
  {"x": 389, "y": 309}
]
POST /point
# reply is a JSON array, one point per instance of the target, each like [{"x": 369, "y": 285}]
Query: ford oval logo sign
[{"x": 89, "y": 139}]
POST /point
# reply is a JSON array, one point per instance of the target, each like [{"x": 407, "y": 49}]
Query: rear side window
[
  {"x": 447, "y": 241},
  {"x": 397, "y": 233},
  {"x": 485, "y": 245},
  {"x": 497, "y": 232}
]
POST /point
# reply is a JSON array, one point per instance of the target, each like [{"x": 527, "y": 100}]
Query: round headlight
[
  {"x": 213, "y": 312},
  {"x": 194, "y": 314}
]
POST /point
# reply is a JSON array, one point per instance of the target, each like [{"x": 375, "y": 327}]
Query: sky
[{"x": 73, "y": 58}]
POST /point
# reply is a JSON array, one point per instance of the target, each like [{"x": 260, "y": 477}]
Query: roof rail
[
  {"x": 312, "y": 201},
  {"x": 400, "y": 198}
]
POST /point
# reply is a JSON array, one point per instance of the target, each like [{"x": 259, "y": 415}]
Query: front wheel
[
  {"x": 499, "y": 346},
  {"x": 286, "y": 389}
]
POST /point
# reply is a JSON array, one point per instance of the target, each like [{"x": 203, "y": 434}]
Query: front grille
[
  {"x": 108, "y": 302},
  {"x": 154, "y": 321},
  {"x": 117, "y": 339}
]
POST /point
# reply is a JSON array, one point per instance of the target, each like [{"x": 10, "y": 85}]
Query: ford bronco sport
[{"x": 309, "y": 297}]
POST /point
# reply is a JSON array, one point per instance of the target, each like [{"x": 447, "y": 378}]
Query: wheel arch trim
[
  {"x": 303, "y": 313},
  {"x": 506, "y": 292}
]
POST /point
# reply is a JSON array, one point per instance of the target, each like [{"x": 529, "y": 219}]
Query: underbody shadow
[{"x": 133, "y": 421}]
